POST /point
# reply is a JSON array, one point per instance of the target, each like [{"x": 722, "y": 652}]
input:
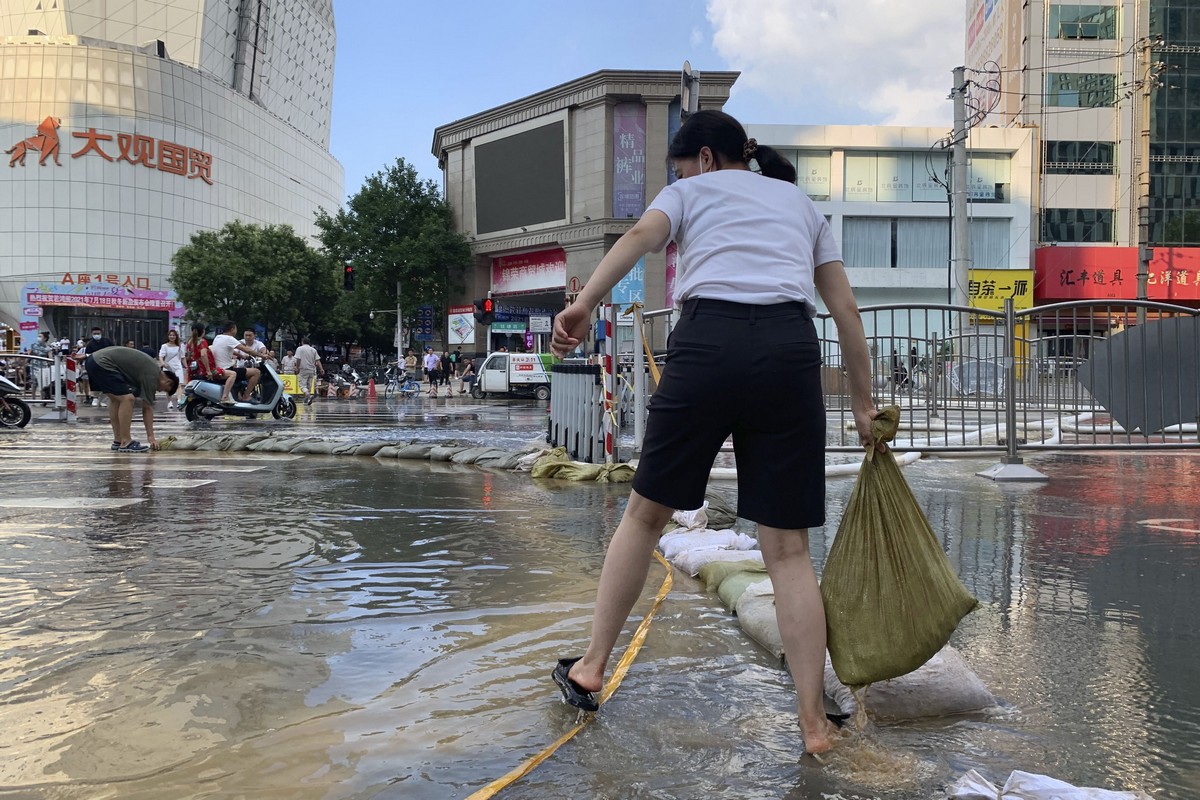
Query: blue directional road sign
[{"x": 423, "y": 332}]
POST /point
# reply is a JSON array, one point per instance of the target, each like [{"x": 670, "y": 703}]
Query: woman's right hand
[
  {"x": 862, "y": 422},
  {"x": 570, "y": 328}
]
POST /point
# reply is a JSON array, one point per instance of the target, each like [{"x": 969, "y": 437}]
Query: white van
[{"x": 514, "y": 373}]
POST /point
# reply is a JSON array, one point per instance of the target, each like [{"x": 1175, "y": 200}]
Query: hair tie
[{"x": 749, "y": 150}]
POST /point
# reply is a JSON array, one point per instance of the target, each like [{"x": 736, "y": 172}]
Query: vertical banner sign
[
  {"x": 629, "y": 160},
  {"x": 673, "y": 125},
  {"x": 632, "y": 288}
]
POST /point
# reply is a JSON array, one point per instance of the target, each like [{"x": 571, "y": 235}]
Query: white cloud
[{"x": 891, "y": 59}]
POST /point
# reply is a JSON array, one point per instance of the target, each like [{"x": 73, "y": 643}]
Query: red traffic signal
[
  {"x": 485, "y": 310},
  {"x": 348, "y": 278}
]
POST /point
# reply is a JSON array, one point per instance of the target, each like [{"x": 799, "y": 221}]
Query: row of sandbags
[
  {"x": 541, "y": 462},
  {"x": 729, "y": 564}
]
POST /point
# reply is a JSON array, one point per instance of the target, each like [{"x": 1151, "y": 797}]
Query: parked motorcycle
[
  {"x": 14, "y": 412},
  {"x": 203, "y": 398}
]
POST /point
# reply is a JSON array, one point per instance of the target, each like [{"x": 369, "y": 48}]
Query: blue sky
[{"x": 403, "y": 68}]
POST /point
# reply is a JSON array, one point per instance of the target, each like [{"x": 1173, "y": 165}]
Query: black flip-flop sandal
[{"x": 573, "y": 694}]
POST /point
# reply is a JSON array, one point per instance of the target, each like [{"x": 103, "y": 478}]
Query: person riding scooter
[{"x": 223, "y": 347}]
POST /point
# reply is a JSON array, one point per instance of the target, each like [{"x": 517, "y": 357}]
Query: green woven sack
[{"x": 891, "y": 598}]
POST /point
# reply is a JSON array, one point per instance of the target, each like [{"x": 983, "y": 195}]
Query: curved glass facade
[{"x": 115, "y": 154}]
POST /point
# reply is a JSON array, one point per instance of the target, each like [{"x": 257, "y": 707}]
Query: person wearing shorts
[
  {"x": 125, "y": 374},
  {"x": 754, "y": 253}
]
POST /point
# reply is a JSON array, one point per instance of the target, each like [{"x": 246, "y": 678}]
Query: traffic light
[
  {"x": 348, "y": 278},
  {"x": 485, "y": 310}
]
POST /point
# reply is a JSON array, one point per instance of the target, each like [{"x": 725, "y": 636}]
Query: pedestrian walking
[
  {"x": 81, "y": 376},
  {"x": 432, "y": 363},
  {"x": 308, "y": 366},
  {"x": 447, "y": 370},
  {"x": 41, "y": 369},
  {"x": 126, "y": 374},
  {"x": 170, "y": 356},
  {"x": 754, "y": 254}
]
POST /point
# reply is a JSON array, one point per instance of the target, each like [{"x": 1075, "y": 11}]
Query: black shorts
[
  {"x": 105, "y": 380},
  {"x": 239, "y": 371},
  {"x": 753, "y": 372}
]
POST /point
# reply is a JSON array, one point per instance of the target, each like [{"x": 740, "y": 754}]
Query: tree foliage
[
  {"x": 395, "y": 229},
  {"x": 253, "y": 274}
]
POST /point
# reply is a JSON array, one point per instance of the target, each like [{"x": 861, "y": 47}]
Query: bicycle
[{"x": 402, "y": 384}]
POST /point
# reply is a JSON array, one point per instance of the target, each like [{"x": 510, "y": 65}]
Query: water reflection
[{"x": 350, "y": 628}]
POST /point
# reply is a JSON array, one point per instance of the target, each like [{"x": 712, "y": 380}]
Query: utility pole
[
  {"x": 961, "y": 257},
  {"x": 1145, "y": 253}
]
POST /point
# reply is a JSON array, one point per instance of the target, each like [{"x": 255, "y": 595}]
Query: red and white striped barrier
[{"x": 72, "y": 375}]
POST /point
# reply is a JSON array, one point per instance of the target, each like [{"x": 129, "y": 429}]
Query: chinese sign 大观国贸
[{"x": 133, "y": 148}]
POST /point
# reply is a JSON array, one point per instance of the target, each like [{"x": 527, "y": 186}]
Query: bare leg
[
  {"x": 801, "y": 616},
  {"x": 230, "y": 377},
  {"x": 121, "y": 408},
  {"x": 252, "y": 376},
  {"x": 114, "y": 419},
  {"x": 621, "y": 581}
]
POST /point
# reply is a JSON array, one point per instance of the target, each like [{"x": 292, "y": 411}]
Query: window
[
  {"x": 1082, "y": 21},
  {"x": 920, "y": 242},
  {"x": 1080, "y": 158},
  {"x": 1081, "y": 89},
  {"x": 812, "y": 172},
  {"x": 1077, "y": 225},
  {"x": 867, "y": 242}
]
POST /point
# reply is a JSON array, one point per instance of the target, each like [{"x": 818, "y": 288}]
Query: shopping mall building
[
  {"x": 544, "y": 186},
  {"x": 129, "y": 126}
]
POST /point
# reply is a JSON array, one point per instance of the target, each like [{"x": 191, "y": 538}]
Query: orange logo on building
[{"x": 46, "y": 143}]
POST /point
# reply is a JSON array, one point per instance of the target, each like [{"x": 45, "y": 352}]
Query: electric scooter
[
  {"x": 203, "y": 398},
  {"x": 14, "y": 412}
]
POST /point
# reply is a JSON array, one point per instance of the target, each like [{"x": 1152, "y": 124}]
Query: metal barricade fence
[
  {"x": 577, "y": 410},
  {"x": 970, "y": 379}
]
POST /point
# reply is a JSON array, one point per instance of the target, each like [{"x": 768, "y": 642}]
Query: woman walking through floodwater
[{"x": 754, "y": 254}]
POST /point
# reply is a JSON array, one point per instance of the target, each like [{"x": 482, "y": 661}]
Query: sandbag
[
  {"x": 733, "y": 587},
  {"x": 692, "y": 561},
  {"x": 943, "y": 686},
  {"x": 1029, "y": 786},
  {"x": 716, "y": 573},
  {"x": 694, "y": 520},
  {"x": 891, "y": 598},
  {"x": 720, "y": 513},
  {"x": 672, "y": 544},
  {"x": 756, "y": 614},
  {"x": 548, "y": 465}
]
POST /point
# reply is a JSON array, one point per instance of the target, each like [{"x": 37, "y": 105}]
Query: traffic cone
[{"x": 371, "y": 388}]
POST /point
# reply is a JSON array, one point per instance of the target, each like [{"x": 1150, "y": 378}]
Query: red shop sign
[{"x": 1110, "y": 273}]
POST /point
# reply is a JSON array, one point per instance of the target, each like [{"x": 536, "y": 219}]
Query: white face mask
[{"x": 95, "y": 336}]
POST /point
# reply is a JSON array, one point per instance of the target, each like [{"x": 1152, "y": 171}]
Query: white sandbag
[
  {"x": 756, "y": 615},
  {"x": 943, "y": 686},
  {"x": 691, "y": 561},
  {"x": 1028, "y": 786},
  {"x": 692, "y": 520},
  {"x": 674, "y": 543}
]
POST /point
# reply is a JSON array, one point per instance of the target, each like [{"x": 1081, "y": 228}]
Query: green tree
[
  {"x": 397, "y": 229},
  {"x": 253, "y": 274}
]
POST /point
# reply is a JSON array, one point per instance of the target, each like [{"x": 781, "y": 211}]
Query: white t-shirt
[
  {"x": 432, "y": 361},
  {"x": 746, "y": 238},
  {"x": 223, "y": 348}
]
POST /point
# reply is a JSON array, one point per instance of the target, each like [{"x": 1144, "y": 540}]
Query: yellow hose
[{"x": 610, "y": 688}]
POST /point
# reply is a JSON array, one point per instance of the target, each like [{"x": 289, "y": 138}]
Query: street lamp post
[{"x": 399, "y": 325}]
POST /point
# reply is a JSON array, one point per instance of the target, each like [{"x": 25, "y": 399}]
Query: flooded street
[{"x": 191, "y": 624}]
